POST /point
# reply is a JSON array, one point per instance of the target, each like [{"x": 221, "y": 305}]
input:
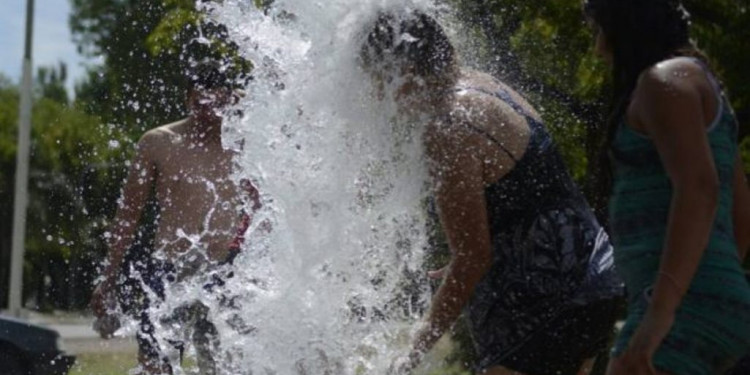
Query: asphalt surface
[{"x": 79, "y": 336}]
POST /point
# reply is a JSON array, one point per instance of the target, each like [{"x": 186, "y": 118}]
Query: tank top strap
[
  {"x": 495, "y": 141},
  {"x": 715, "y": 84},
  {"x": 721, "y": 99},
  {"x": 539, "y": 138},
  {"x": 505, "y": 96},
  {"x": 709, "y": 75}
]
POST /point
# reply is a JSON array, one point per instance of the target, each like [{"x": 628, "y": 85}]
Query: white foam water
[{"x": 335, "y": 286}]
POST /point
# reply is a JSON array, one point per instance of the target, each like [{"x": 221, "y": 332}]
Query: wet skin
[
  {"x": 464, "y": 162},
  {"x": 673, "y": 104}
]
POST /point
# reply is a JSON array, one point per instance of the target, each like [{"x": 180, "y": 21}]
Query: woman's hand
[{"x": 638, "y": 357}]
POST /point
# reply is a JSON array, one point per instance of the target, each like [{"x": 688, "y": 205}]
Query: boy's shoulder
[
  {"x": 166, "y": 134},
  {"x": 164, "y": 138}
]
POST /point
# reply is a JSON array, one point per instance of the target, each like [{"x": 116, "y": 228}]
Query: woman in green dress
[{"x": 680, "y": 206}]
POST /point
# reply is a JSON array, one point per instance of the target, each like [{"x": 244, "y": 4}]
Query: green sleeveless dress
[{"x": 712, "y": 325}]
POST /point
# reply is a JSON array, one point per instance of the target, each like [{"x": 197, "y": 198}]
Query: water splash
[{"x": 335, "y": 286}]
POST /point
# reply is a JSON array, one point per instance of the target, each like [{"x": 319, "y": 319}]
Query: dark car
[{"x": 29, "y": 349}]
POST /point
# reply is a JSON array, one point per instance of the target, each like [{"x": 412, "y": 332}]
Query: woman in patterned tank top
[
  {"x": 531, "y": 270},
  {"x": 679, "y": 205}
]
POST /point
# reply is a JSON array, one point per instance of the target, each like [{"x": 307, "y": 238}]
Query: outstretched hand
[{"x": 103, "y": 304}]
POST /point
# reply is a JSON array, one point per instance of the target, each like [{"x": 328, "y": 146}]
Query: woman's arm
[
  {"x": 741, "y": 210},
  {"x": 668, "y": 105},
  {"x": 674, "y": 119},
  {"x": 462, "y": 210}
]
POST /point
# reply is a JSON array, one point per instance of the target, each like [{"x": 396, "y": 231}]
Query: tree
[
  {"x": 69, "y": 175},
  {"x": 147, "y": 48},
  {"x": 8, "y": 119},
  {"x": 51, "y": 83},
  {"x": 133, "y": 89},
  {"x": 545, "y": 48},
  {"x": 720, "y": 29}
]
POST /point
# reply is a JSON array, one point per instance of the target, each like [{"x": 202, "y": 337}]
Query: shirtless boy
[{"x": 187, "y": 167}]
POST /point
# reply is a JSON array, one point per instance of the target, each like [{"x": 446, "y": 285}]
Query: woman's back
[
  {"x": 534, "y": 175},
  {"x": 531, "y": 173},
  {"x": 550, "y": 254}
]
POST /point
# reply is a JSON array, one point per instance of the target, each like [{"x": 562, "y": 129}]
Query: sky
[{"x": 52, "y": 39}]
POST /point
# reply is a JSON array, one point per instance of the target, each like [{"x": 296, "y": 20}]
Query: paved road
[{"x": 79, "y": 336}]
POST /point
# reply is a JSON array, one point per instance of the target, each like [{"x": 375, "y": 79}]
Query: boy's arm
[{"x": 135, "y": 193}]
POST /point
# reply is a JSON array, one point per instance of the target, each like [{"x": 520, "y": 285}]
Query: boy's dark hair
[
  {"x": 212, "y": 60},
  {"x": 413, "y": 38},
  {"x": 210, "y": 74}
]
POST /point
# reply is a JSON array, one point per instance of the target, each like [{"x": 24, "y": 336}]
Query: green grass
[
  {"x": 120, "y": 363},
  {"x": 450, "y": 370},
  {"x": 439, "y": 353},
  {"x": 111, "y": 363},
  {"x": 104, "y": 363}
]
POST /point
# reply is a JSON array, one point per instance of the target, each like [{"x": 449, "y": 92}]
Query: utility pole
[{"x": 21, "y": 199}]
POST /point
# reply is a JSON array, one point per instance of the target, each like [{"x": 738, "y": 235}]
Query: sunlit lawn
[
  {"x": 121, "y": 363},
  {"x": 452, "y": 370},
  {"x": 104, "y": 363},
  {"x": 110, "y": 363}
]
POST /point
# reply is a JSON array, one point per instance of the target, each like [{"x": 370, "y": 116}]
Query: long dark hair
[
  {"x": 412, "y": 37},
  {"x": 640, "y": 33}
]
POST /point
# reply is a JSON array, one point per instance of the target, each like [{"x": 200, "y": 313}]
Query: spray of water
[{"x": 335, "y": 285}]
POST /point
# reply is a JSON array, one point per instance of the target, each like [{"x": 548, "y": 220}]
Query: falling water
[{"x": 335, "y": 285}]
